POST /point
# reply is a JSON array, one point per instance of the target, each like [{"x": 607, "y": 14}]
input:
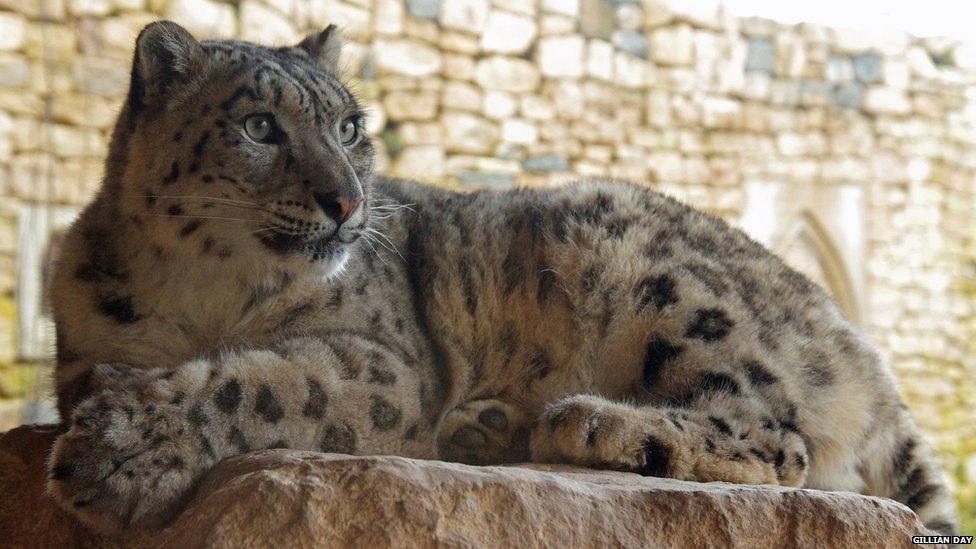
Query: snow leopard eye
[
  {"x": 262, "y": 128},
  {"x": 348, "y": 131}
]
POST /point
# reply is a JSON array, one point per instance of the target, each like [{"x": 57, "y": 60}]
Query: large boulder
[{"x": 294, "y": 498}]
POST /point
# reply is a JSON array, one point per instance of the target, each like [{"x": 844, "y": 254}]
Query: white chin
[{"x": 333, "y": 267}]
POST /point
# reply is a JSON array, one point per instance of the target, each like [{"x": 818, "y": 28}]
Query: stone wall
[{"x": 499, "y": 93}]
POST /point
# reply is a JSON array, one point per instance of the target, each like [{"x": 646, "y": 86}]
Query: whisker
[
  {"x": 186, "y": 216},
  {"x": 188, "y": 197},
  {"x": 366, "y": 239},
  {"x": 394, "y": 249}
]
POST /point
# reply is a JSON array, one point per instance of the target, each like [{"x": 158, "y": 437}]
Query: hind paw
[{"x": 482, "y": 432}]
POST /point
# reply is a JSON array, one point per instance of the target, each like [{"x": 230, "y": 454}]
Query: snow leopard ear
[
  {"x": 324, "y": 47},
  {"x": 166, "y": 55}
]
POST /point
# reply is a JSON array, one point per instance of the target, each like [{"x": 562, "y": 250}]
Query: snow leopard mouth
[{"x": 317, "y": 248}]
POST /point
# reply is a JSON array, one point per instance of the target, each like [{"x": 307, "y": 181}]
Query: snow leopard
[{"x": 243, "y": 280}]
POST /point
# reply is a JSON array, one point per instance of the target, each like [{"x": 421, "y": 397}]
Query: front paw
[
  {"x": 122, "y": 462},
  {"x": 594, "y": 432}
]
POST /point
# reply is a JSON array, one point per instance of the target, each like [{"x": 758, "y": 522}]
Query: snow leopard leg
[
  {"x": 136, "y": 447},
  {"x": 715, "y": 440}
]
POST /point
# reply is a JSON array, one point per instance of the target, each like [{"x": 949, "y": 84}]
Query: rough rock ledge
[{"x": 290, "y": 498}]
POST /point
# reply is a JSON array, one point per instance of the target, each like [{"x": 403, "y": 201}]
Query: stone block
[
  {"x": 700, "y": 13},
  {"x": 867, "y": 67},
  {"x": 468, "y": 133},
  {"x": 629, "y": 16},
  {"x": 421, "y": 133},
  {"x": 632, "y": 42},
  {"x": 629, "y": 71},
  {"x": 470, "y": 179},
  {"x": 849, "y": 95},
  {"x": 458, "y": 66},
  {"x": 422, "y": 162},
  {"x": 261, "y": 24},
  {"x": 561, "y": 56},
  {"x": 761, "y": 55},
  {"x": 354, "y": 22},
  {"x": 405, "y": 105},
  {"x": 389, "y": 17},
  {"x": 557, "y": 25},
  {"x": 508, "y": 33},
  {"x": 424, "y": 9},
  {"x": 599, "y": 59},
  {"x": 537, "y": 107},
  {"x": 504, "y": 73},
  {"x": 458, "y": 42},
  {"x": 674, "y": 46},
  {"x": 597, "y": 19},
  {"x": 15, "y": 71},
  {"x": 791, "y": 55},
  {"x": 546, "y": 163},
  {"x": 885, "y": 100},
  {"x": 89, "y": 8},
  {"x": 464, "y": 15},
  {"x": 13, "y": 31},
  {"x": 462, "y": 96},
  {"x": 498, "y": 104},
  {"x": 104, "y": 77},
  {"x": 518, "y": 131},
  {"x": 570, "y": 8},
  {"x": 839, "y": 69},
  {"x": 115, "y": 37},
  {"x": 895, "y": 73},
  {"x": 406, "y": 56},
  {"x": 85, "y": 110}
]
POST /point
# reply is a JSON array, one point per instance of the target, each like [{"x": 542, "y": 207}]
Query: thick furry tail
[{"x": 902, "y": 468}]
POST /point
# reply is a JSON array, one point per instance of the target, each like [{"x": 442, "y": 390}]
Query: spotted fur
[{"x": 219, "y": 297}]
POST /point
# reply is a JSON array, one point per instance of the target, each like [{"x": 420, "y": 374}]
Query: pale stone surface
[
  {"x": 389, "y": 17},
  {"x": 462, "y": 96},
  {"x": 405, "y": 105},
  {"x": 262, "y": 498},
  {"x": 508, "y": 33},
  {"x": 467, "y": 133},
  {"x": 507, "y": 74},
  {"x": 424, "y": 162},
  {"x": 555, "y": 25},
  {"x": 204, "y": 18},
  {"x": 840, "y": 69},
  {"x": 15, "y": 71},
  {"x": 267, "y": 26},
  {"x": 82, "y": 8},
  {"x": 561, "y": 56},
  {"x": 409, "y": 57},
  {"x": 884, "y": 100},
  {"x": 498, "y": 104},
  {"x": 101, "y": 76},
  {"x": 13, "y": 30},
  {"x": 464, "y": 15},
  {"x": 537, "y": 107},
  {"x": 599, "y": 59},
  {"x": 673, "y": 46},
  {"x": 519, "y": 131},
  {"x": 791, "y": 55},
  {"x": 561, "y": 7},
  {"x": 354, "y": 21}
]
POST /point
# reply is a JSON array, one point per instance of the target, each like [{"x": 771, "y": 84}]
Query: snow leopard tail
[{"x": 900, "y": 466}]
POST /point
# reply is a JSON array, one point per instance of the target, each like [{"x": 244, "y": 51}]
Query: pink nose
[
  {"x": 339, "y": 208},
  {"x": 347, "y": 207}
]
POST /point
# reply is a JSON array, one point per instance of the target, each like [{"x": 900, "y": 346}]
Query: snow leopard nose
[{"x": 337, "y": 207}]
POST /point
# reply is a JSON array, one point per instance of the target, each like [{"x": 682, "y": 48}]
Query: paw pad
[
  {"x": 493, "y": 418},
  {"x": 469, "y": 437}
]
